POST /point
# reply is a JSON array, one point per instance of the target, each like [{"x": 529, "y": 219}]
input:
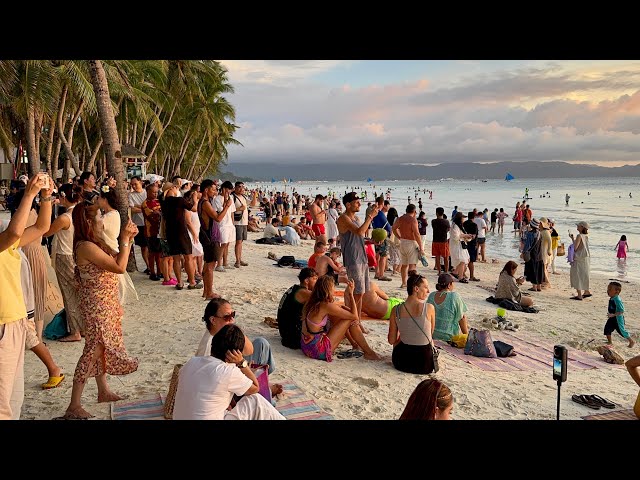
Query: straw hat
[
  {"x": 583, "y": 224},
  {"x": 544, "y": 223},
  {"x": 167, "y": 186},
  {"x": 534, "y": 223}
]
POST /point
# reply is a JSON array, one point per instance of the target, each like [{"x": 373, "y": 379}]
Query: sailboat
[{"x": 509, "y": 177}]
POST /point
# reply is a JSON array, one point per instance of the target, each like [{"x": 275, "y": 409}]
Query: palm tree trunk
[
  {"x": 32, "y": 153},
  {"x": 69, "y": 142},
  {"x": 159, "y": 136},
  {"x": 91, "y": 164},
  {"x": 195, "y": 156},
  {"x": 204, "y": 170},
  {"x": 52, "y": 131},
  {"x": 110, "y": 139}
]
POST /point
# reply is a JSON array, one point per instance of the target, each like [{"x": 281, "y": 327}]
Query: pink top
[
  {"x": 622, "y": 249},
  {"x": 322, "y": 324}
]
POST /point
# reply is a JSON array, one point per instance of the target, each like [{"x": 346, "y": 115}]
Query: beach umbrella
[
  {"x": 509, "y": 177},
  {"x": 369, "y": 180}
]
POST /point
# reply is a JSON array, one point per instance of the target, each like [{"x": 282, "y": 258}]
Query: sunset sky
[{"x": 429, "y": 112}]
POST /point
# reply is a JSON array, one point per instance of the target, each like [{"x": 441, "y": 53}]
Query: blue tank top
[{"x": 353, "y": 250}]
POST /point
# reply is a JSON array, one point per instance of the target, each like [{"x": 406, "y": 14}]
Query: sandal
[
  {"x": 584, "y": 400},
  {"x": 587, "y": 295},
  {"x": 576, "y": 298},
  {"x": 603, "y": 402},
  {"x": 53, "y": 382},
  {"x": 350, "y": 354},
  {"x": 463, "y": 280}
]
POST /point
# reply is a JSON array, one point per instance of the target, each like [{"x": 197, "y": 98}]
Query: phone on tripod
[{"x": 560, "y": 363}]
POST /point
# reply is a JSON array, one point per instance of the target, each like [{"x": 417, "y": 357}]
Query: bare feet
[
  {"x": 108, "y": 397},
  {"x": 276, "y": 389},
  {"x": 632, "y": 342},
  {"x": 75, "y": 337},
  {"x": 373, "y": 356}
]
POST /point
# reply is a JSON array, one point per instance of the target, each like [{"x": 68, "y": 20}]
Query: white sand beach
[{"x": 164, "y": 328}]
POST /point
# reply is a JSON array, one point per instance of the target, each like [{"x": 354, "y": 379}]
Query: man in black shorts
[{"x": 472, "y": 245}]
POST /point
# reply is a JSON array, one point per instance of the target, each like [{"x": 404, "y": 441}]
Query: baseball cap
[
  {"x": 350, "y": 197},
  {"x": 445, "y": 279}
]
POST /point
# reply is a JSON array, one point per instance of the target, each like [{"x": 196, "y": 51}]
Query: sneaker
[
  {"x": 228, "y": 266},
  {"x": 155, "y": 278},
  {"x": 220, "y": 269}
]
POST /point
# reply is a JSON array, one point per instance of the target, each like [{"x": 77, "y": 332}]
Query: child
[
  {"x": 615, "y": 315},
  {"x": 622, "y": 247}
]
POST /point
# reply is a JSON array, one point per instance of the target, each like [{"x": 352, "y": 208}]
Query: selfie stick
[{"x": 558, "y": 406}]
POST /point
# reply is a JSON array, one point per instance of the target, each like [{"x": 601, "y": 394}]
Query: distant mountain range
[{"x": 360, "y": 172}]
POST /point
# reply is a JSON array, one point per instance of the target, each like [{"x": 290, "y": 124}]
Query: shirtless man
[
  {"x": 319, "y": 216},
  {"x": 212, "y": 249},
  {"x": 377, "y": 304},
  {"x": 329, "y": 265},
  {"x": 406, "y": 229}
]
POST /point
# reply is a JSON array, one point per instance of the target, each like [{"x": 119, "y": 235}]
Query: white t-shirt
[
  {"x": 204, "y": 348},
  {"x": 135, "y": 200},
  {"x": 227, "y": 220},
  {"x": 482, "y": 226},
  {"x": 270, "y": 231},
  {"x": 205, "y": 388},
  {"x": 238, "y": 201}
]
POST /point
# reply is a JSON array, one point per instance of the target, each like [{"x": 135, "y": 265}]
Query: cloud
[{"x": 533, "y": 114}]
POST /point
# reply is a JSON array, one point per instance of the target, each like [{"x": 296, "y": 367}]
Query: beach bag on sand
[
  {"x": 170, "y": 401},
  {"x": 560, "y": 252},
  {"x": 57, "y": 327},
  {"x": 480, "y": 344},
  {"x": 262, "y": 375},
  {"x": 287, "y": 261},
  {"x": 504, "y": 349}
]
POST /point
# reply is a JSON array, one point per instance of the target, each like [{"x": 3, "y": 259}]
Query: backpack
[{"x": 287, "y": 261}]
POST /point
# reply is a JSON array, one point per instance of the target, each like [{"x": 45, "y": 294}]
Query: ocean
[{"x": 603, "y": 203}]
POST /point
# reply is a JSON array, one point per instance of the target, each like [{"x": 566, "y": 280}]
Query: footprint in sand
[{"x": 367, "y": 382}]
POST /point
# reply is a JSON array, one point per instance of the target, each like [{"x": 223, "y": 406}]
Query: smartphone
[{"x": 560, "y": 363}]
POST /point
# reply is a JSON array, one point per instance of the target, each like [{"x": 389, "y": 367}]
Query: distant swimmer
[
  {"x": 588, "y": 193},
  {"x": 630, "y": 195},
  {"x": 566, "y": 199}
]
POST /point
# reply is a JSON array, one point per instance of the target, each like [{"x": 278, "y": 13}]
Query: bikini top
[{"x": 323, "y": 324}]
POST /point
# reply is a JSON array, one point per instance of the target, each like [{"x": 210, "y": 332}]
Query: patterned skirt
[{"x": 64, "y": 266}]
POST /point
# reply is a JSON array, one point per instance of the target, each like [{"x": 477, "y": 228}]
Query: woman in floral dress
[{"x": 97, "y": 277}]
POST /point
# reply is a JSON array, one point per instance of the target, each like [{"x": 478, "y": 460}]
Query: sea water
[{"x": 602, "y": 202}]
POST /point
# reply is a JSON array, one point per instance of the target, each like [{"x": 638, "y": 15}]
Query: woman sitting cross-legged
[
  {"x": 450, "y": 317},
  {"x": 509, "y": 286},
  {"x": 207, "y": 384},
  {"x": 411, "y": 328},
  {"x": 325, "y": 324}
]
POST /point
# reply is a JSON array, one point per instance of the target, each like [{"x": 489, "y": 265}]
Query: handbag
[
  {"x": 262, "y": 375},
  {"x": 560, "y": 252},
  {"x": 434, "y": 350},
  {"x": 504, "y": 349},
  {"x": 480, "y": 344}
]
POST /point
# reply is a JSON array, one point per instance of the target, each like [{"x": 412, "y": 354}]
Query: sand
[{"x": 164, "y": 328}]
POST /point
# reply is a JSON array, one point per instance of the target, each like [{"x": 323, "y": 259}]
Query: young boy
[{"x": 615, "y": 314}]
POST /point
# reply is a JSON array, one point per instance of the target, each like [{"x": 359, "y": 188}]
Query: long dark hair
[
  {"x": 71, "y": 192},
  {"x": 509, "y": 267},
  {"x": 414, "y": 280},
  {"x": 392, "y": 214},
  {"x": 427, "y": 396},
  {"x": 322, "y": 292}
]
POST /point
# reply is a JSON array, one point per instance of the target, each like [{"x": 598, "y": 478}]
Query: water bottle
[{"x": 423, "y": 259}]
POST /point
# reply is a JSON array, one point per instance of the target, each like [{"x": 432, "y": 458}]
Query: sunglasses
[{"x": 228, "y": 317}]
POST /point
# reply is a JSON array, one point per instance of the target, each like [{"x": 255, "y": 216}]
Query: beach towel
[
  {"x": 150, "y": 408},
  {"x": 532, "y": 355},
  {"x": 295, "y": 404},
  {"x": 614, "y": 415}
]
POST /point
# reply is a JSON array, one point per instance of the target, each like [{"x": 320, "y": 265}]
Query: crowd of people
[{"x": 184, "y": 227}]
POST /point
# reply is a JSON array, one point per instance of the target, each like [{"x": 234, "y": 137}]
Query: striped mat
[
  {"x": 151, "y": 408},
  {"x": 297, "y": 405},
  {"x": 614, "y": 415},
  {"x": 532, "y": 355}
]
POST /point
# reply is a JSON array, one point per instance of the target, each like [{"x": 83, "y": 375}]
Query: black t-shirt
[
  {"x": 471, "y": 227},
  {"x": 422, "y": 226},
  {"x": 290, "y": 318},
  {"x": 440, "y": 228},
  {"x": 173, "y": 213},
  {"x": 494, "y": 217}
]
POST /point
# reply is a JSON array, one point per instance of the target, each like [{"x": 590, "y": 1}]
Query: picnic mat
[
  {"x": 614, "y": 415},
  {"x": 151, "y": 408},
  {"x": 295, "y": 404},
  {"x": 532, "y": 355}
]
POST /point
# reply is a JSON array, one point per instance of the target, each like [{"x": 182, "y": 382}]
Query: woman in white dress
[
  {"x": 332, "y": 218},
  {"x": 581, "y": 266},
  {"x": 459, "y": 254},
  {"x": 192, "y": 221}
]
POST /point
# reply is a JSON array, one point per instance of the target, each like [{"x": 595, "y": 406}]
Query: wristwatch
[
  {"x": 124, "y": 244},
  {"x": 243, "y": 364}
]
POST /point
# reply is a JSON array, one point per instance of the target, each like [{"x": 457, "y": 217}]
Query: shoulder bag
[{"x": 436, "y": 367}]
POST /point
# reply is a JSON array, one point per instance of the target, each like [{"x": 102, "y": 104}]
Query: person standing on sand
[
  {"x": 581, "y": 266},
  {"x": 97, "y": 275},
  {"x": 319, "y": 216},
  {"x": 353, "y": 247},
  {"x": 406, "y": 228},
  {"x": 440, "y": 243}
]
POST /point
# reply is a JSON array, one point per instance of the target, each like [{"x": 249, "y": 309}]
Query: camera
[{"x": 560, "y": 363}]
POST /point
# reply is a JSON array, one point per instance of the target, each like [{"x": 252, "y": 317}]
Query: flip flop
[
  {"x": 53, "y": 382},
  {"x": 576, "y": 298},
  {"x": 350, "y": 354},
  {"x": 587, "y": 295},
  {"x": 603, "y": 402},
  {"x": 583, "y": 400}
]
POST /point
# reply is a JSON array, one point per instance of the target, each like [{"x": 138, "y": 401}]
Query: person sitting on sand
[
  {"x": 431, "y": 400},
  {"x": 319, "y": 250},
  {"x": 319, "y": 337},
  {"x": 253, "y": 224},
  {"x": 271, "y": 229},
  {"x": 291, "y": 305},
  {"x": 450, "y": 317},
  {"x": 509, "y": 285},
  {"x": 633, "y": 366},
  {"x": 219, "y": 313},
  {"x": 411, "y": 328},
  {"x": 206, "y": 384},
  {"x": 329, "y": 265}
]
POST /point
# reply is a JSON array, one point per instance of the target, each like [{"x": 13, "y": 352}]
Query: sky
[{"x": 431, "y": 112}]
